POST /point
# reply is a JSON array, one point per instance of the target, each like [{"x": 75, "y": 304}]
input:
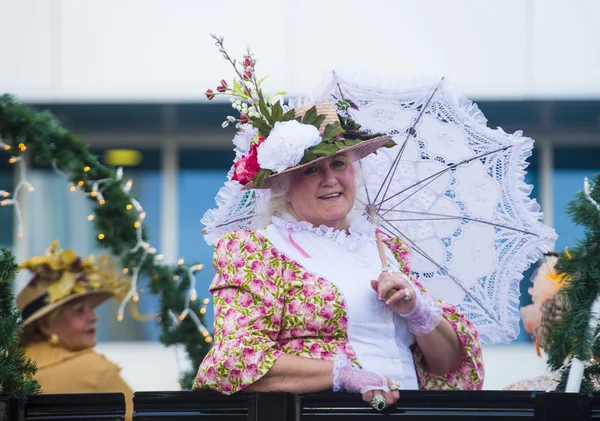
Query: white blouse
[{"x": 378, "y": 335}]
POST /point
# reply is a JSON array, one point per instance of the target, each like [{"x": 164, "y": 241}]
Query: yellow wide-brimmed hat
[{"x": 60, "y": 276}]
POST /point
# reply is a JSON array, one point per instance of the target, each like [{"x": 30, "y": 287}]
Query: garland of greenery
[
  {"x": 16, "y": 370},
  {"x": 581, "y": 268},
  {"x": 50, "y": 144}
]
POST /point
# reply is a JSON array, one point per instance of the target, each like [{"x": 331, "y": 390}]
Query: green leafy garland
[
  {"x": 115, "y": 220},
  {"x": 16, "y": 370},
  {"x": 581, "y": 268}
]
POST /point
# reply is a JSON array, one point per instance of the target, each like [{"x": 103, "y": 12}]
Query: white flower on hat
[
  {"x": 285, "y": 146},
  {"x": 243, "y": 139}
]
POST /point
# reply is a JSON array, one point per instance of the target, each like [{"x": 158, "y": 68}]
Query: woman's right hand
[
  {"x": 391, "y": 396},
  {"x": 348, "y": 377}
]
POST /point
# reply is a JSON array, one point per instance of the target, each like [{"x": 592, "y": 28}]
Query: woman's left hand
[{"x": 403, "y": 300}]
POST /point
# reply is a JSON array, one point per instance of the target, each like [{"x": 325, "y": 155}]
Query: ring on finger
[
  {"x": 378, "y": 402},
  {"x": 407, "y": 295}
]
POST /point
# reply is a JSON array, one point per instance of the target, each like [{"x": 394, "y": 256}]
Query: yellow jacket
[{"x": 64, "y": 371}]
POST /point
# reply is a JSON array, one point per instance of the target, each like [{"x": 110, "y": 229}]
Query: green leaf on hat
[
  {"x": 310, "y": 117},
  {"x": 237, "y": 89},
  {"x": 260, "y": 176},
  {"x": 308, "y": 156},
  {"x": 263, "y": 127},
  {"x": 261, "y": 80},
  {"x": 277, "y": 112},
  {"x": 264, "y": 110},
  {"x": 332, "y": 130},
  {"x": 290, "y": 115}
]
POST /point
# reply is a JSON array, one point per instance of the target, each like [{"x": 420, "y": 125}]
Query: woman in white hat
[
  {"x": 59, "y": 324},
  {"x": 301, "y": 301}
]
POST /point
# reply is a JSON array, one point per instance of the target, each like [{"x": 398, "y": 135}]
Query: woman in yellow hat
[{"x": 59, "y": 323}]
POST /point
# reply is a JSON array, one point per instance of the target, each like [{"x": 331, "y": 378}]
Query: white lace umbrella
[{"x": 455, "y": 190}]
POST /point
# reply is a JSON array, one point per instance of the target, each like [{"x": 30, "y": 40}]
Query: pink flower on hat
[{"x": 247, "y": 166}]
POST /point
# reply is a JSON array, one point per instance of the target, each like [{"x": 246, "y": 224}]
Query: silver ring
[
  {"x": 407, "y": 295},
  {"x": 378, "y": 402},
  {"x": 389, "y": 269},
  {"x": 395, "y": 386}
]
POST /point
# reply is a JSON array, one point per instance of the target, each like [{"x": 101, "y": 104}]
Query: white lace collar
[{"x": 359, "y": 232}]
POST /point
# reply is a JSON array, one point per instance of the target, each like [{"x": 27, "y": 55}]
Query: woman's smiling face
[{"x": 323, "y": 193}]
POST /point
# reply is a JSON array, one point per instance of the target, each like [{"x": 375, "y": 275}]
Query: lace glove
[
  {"x": 425, "y": 316},
  {"x": 348, "y": 377}
]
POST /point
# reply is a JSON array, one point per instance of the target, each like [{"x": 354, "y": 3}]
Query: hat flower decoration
[
  {"x": 60, "y": 276},
  {"x": 274, "y": 138}
]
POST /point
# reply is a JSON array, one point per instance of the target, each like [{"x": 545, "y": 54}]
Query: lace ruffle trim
[{"x": 360, "y": 232}]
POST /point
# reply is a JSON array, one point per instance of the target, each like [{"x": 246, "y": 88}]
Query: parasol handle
[{"x": 384, "y": 262}]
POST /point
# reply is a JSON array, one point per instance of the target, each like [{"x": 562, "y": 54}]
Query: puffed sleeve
[
  {"x": 469, "y": 374},
  {"x": 248, "y": 304}
]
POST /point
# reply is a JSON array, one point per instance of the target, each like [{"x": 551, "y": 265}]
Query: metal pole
[
  {"x": 546, "y": 188},
  {"x": 578, "y": 366}
]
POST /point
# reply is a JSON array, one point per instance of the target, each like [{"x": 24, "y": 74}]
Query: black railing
[
  {"x": 68, "y": 407},
  {"x": 413, "y": 405},
  {"x": 204, "y": 406}
]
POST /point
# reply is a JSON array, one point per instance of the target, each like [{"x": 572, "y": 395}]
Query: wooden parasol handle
[{"x": 384, "y": 262}]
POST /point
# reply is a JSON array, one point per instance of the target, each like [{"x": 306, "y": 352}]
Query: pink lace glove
[
  {"x": 425, "y": 316},
  {"x": 348, "y": 377}
]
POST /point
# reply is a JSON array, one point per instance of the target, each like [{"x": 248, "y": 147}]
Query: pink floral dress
[{"x": 267, "y": 304}]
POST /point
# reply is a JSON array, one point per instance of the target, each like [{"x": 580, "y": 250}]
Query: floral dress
[{"x": 267, "y": 304}]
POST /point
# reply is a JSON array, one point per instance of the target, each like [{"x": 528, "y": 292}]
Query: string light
[
  {"x": 96, "y": 192},
  {"x": 15, "y": 202}
]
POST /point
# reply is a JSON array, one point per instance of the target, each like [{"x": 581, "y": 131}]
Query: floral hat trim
[
  {"x": 68, "y": 274},
  {"x": 286, "y": 138}
]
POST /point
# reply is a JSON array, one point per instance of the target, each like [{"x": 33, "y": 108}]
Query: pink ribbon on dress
[
  {"x": 381, "y": 232},
  {"x": 297, "y": 246}
]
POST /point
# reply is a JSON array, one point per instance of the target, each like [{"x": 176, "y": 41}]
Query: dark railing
[
  {"x": 68, "y": 407},
  {"x": 413, "y": 405},
  {"x": 204, "y": 406}
]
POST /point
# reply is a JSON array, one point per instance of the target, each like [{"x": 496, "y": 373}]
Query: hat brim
[
  {"x": 98, "y": 297},
  {"x": 359, "y": 151}
]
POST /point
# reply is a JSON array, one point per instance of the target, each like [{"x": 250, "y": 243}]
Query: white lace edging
[
  {"x": 231, "y": 200},
  {"x": 361, "y": 231},
  {"x": 529, "y": 211}
]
